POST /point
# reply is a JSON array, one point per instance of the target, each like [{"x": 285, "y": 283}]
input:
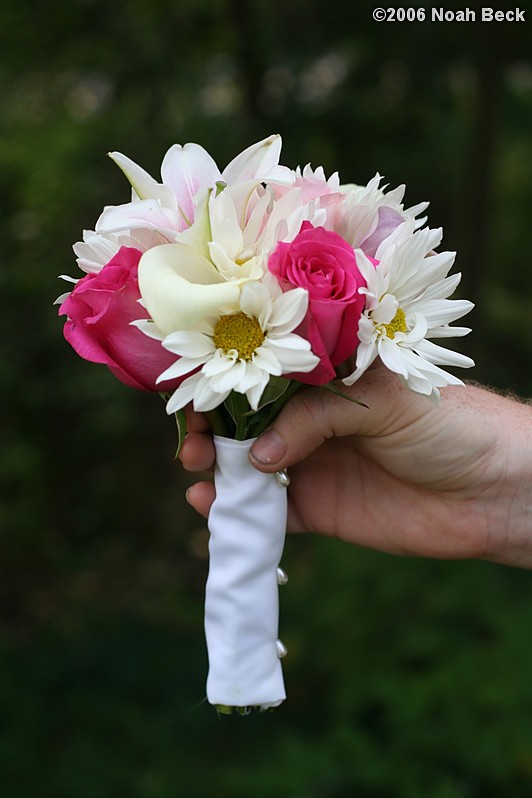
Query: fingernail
[
  {"x": 270, "y": 448},
  {"x": 187, "y": 495}
]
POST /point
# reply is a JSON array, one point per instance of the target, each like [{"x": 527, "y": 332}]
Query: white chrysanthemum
[
  {"x": 374, "y": 195},
  {"x": 97, "y": 249},
  {"x": 241, "y": 350},
  {"x": 407, "y": 304},
  {"x": 368, "y": 214}
]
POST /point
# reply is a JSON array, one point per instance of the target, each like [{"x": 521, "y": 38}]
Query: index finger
[{"x": 196, "y": 422}]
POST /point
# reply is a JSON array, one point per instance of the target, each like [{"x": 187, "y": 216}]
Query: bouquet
[{"x": 229, "y": 290}]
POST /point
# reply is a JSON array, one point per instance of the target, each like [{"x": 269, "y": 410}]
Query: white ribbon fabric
[{"x": 247, "y": 523}]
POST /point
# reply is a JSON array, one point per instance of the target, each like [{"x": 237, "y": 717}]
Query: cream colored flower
[
  {"x": 180, "y": 287},
  {"x": 240, "y": 349}
]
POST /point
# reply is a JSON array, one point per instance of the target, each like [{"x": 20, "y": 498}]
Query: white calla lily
[{"x": 180, "y": 287}]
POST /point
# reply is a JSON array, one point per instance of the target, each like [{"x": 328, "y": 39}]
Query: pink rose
[
  {"x": 323, "y": 263},
  {"x": 100, "y": 309}
]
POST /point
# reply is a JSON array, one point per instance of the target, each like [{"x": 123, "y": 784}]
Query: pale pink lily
[
  {"x": 169, "y": 206},
  {"x": 246, "y": 226}
]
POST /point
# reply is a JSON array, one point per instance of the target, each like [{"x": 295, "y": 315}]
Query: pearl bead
[
  {"x": 282, "y": 577},
  {"x": 282, "y": 478}
]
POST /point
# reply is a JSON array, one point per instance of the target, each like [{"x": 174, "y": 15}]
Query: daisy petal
[
  {"x": 449, "y": 332},
  {"x": 441, "y": 356},
  {"x": 266, "y": 360},
  {"x": 217, "y": 365},
  {"x": 183, "y": 395},
  {"x": 366, "y": 354},
  {"x": 189, "y": 344},
  {"x": 390, "y": 355},
  {"x": 228, "y": 380},
  {"x": 254, "y": 393},
  {"x": 148, "y": 328},
  {"x": 206, "y": 398},
  {"x": 182, "y": 366},
  {"x": 289, "y": 310}
]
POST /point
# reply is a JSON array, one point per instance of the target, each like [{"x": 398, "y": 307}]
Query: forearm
[{"x": 510, "y": 507}]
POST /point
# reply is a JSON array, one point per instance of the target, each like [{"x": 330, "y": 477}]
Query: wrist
[{"x": 510, "y": 517}]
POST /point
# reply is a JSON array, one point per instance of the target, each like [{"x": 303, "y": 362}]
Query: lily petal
[
  {"x": 259, "y": 161},
  {"x": 186, "y": 170},
  {"x": 181, "y": 288},
  {"x": 143, "y": 183},
  {"x": 143, "y": 213}
]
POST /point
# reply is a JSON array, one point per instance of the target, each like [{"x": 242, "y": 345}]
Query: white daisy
[
  {"x": 407, "y": 304},
  {"x": 240, "y": 350}
]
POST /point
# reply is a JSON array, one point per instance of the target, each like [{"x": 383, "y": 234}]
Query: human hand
[{"x": 401, "y": 476}]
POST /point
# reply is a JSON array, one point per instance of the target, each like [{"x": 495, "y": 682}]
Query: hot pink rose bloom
[
  {"x": 323, "y": 263},
  {"x": 100, "y": 309}
]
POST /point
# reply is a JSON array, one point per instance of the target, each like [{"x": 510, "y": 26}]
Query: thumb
[{"x": 313, "y": 415}]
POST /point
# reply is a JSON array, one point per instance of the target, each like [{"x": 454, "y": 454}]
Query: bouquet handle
[{"x": 247, "y": 525}]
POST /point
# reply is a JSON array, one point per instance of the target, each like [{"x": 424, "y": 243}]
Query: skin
[{"x": 403, "y": 475}]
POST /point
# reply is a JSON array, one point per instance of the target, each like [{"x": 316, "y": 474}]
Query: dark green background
[{"x": 406, "y": 678}]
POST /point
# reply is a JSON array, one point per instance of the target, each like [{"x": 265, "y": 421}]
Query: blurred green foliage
[{"x": 405, "y": 678}]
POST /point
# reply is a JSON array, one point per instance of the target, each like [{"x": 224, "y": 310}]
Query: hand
[{"x": 402, "y": 476}]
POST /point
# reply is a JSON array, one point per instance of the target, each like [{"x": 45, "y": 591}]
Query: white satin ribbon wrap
[{"x": 247, "y": 523}]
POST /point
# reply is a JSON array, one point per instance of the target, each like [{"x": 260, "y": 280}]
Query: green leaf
[
  {"x": 237, "y": 406},
  {"x": 262, "y": 420},
  {"x": 181, "y": 423},
  {"x": 331, "y": 387},
  {"x": 230, "y": 406},
  {"x": 276, "y": 387}
]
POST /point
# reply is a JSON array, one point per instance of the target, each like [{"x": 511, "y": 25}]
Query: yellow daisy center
[
  {"x": 238, "y": 332},
  {"x": 397, "y": 324}
]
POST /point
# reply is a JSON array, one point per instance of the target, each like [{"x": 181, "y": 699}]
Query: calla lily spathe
[{"x": 180, "y": 287}]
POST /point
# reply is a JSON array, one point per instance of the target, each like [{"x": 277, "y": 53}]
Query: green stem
[
  {"x": 240, "y": 408},
  {"x": 218, "y": 422}
]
